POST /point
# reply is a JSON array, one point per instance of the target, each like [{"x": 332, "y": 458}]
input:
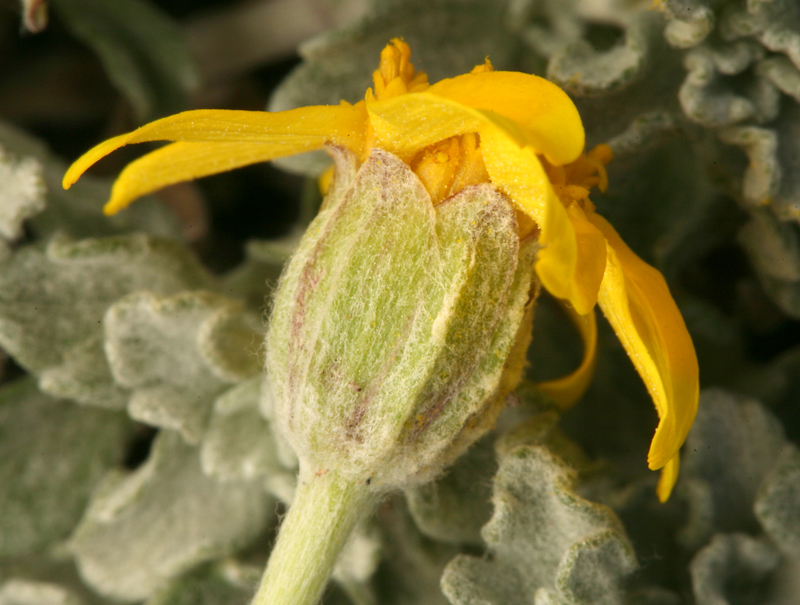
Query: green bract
[{"x": 393, "y": 324}]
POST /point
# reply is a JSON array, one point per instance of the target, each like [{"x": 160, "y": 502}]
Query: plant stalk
[{"x": 325, "y": 510}]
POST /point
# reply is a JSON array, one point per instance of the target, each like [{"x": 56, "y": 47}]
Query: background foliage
[{"x": 137, "y": 459}]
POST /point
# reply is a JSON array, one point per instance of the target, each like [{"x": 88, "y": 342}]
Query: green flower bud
[{"x": 393, "y": 325}]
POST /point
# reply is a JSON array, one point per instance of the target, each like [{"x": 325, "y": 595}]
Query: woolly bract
[{"x": 517, "y": 131}]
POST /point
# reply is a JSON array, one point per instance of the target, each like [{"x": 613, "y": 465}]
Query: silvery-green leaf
[
  {"x": 22, "y": 192},
  {"x": 178, "y": 353},
  {"x": 255, "y": 279},
  {"x": 52, "y": 302},
  {"x": 339, "y": 64},
  {"x": 412, "y": 564},
  {"x": 733, "y": 445},
  {"x": 689, "y": 22},
  {"x": 21, "y": 592},
  {"x": 783, "y": 74},
  {"x": 239, "y": 443},
  {"x": 548, "y": 544},
  {"x": 51, "y": 569},
  {"x": 540, "y": 429},
  {"x": 731, "y": 566},
  {"x": 85, "y": 376},
  {"x": 705, "y": 98},
  {"x": 454, "y": 507},
  {"x": 79, "y": 211},
  {"x": 546, "y": 27},
  {"x": 52, "y": 456},
  {"x": 225, "y": 583},
  {"x": 147, "y": 527},
  {"x": 357, "y": 563},
  {"x": 777, "y": 504},
  {"x": 583, "y": 71},
  {"x": 142, "y": 49}
]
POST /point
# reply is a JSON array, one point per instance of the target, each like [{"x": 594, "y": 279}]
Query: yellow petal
[
  {"x": 638, "y": 305},
  {"x": 182, "y": 162},
  {"x": 567, "y": 390},
  {"x": 286, "y": 132},
  {"x": 547, "y": 114},
  {"x": 669, "y": 475},
  {"x": 406, "y": 124},
  {"x": 591, "y": 263}
]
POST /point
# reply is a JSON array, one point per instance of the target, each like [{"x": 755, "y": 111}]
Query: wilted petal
[{"x": 640, "y": 308}]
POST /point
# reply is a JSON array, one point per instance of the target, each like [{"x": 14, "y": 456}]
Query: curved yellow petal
[
  {"x": 669, "y": 475},
  {"x": 540, "y": 107},
  {"x": 638, "y": 305},
  {"x": 287, "y": 132},
  {"x": 566, "y": 391},
  {"x": 184, "y": 161}
]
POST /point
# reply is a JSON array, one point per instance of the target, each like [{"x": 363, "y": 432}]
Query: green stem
[{"x": 325, "y": 510}]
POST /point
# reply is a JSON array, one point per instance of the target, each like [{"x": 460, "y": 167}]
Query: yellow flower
[{"x": 517, "y": 131}]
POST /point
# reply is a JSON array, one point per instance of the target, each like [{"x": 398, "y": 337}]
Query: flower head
[{"x": 516, "y": 131}]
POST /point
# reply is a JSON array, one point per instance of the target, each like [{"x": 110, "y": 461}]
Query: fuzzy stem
[{"x": 325, "y": 510}]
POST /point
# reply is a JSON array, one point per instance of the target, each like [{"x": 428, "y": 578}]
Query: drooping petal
[
  {"x": 540, "y": 107},
  {"x": 640, "y": 308},
  {"x": 284, "y": 133},
  {"x": 669, "y": 475},
  {"x": 566, "y": 391}
]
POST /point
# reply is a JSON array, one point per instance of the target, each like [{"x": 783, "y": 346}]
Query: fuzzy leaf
[
  {"x": 177, "y": 354},
  {"x": 169, "y": 516},
  {"x": 777, "y": 504},
  {"x": 582, "y": 71},
  {"x": 52, "y": 302},
  {"x": 357, "y": 563},
  {"x": 229, "y": 583},
  {"x": 21, "y": 592},
  {"x": 239, "y": 443},
  {"x": 21, "y": 192},
  {"x": 52, "y": 456},
  {"x": 455, "y": 507},
  {"x": 733, "y": 565},
  {"x": 549, "y": 545},
  {"x": 412, "y": 564},
  {"x": 733, "y": 445}
]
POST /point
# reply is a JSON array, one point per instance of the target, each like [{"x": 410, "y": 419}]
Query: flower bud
[{"x": 394, "y": 322}]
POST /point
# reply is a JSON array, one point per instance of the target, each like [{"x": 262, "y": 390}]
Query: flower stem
[{"x": 325, "y": 510}]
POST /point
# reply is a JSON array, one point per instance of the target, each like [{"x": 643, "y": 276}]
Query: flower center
[
  {"x": 396, "y": 74},
  {"x": 573, "y": 181},
  {"x": 450, "y": 165}
]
